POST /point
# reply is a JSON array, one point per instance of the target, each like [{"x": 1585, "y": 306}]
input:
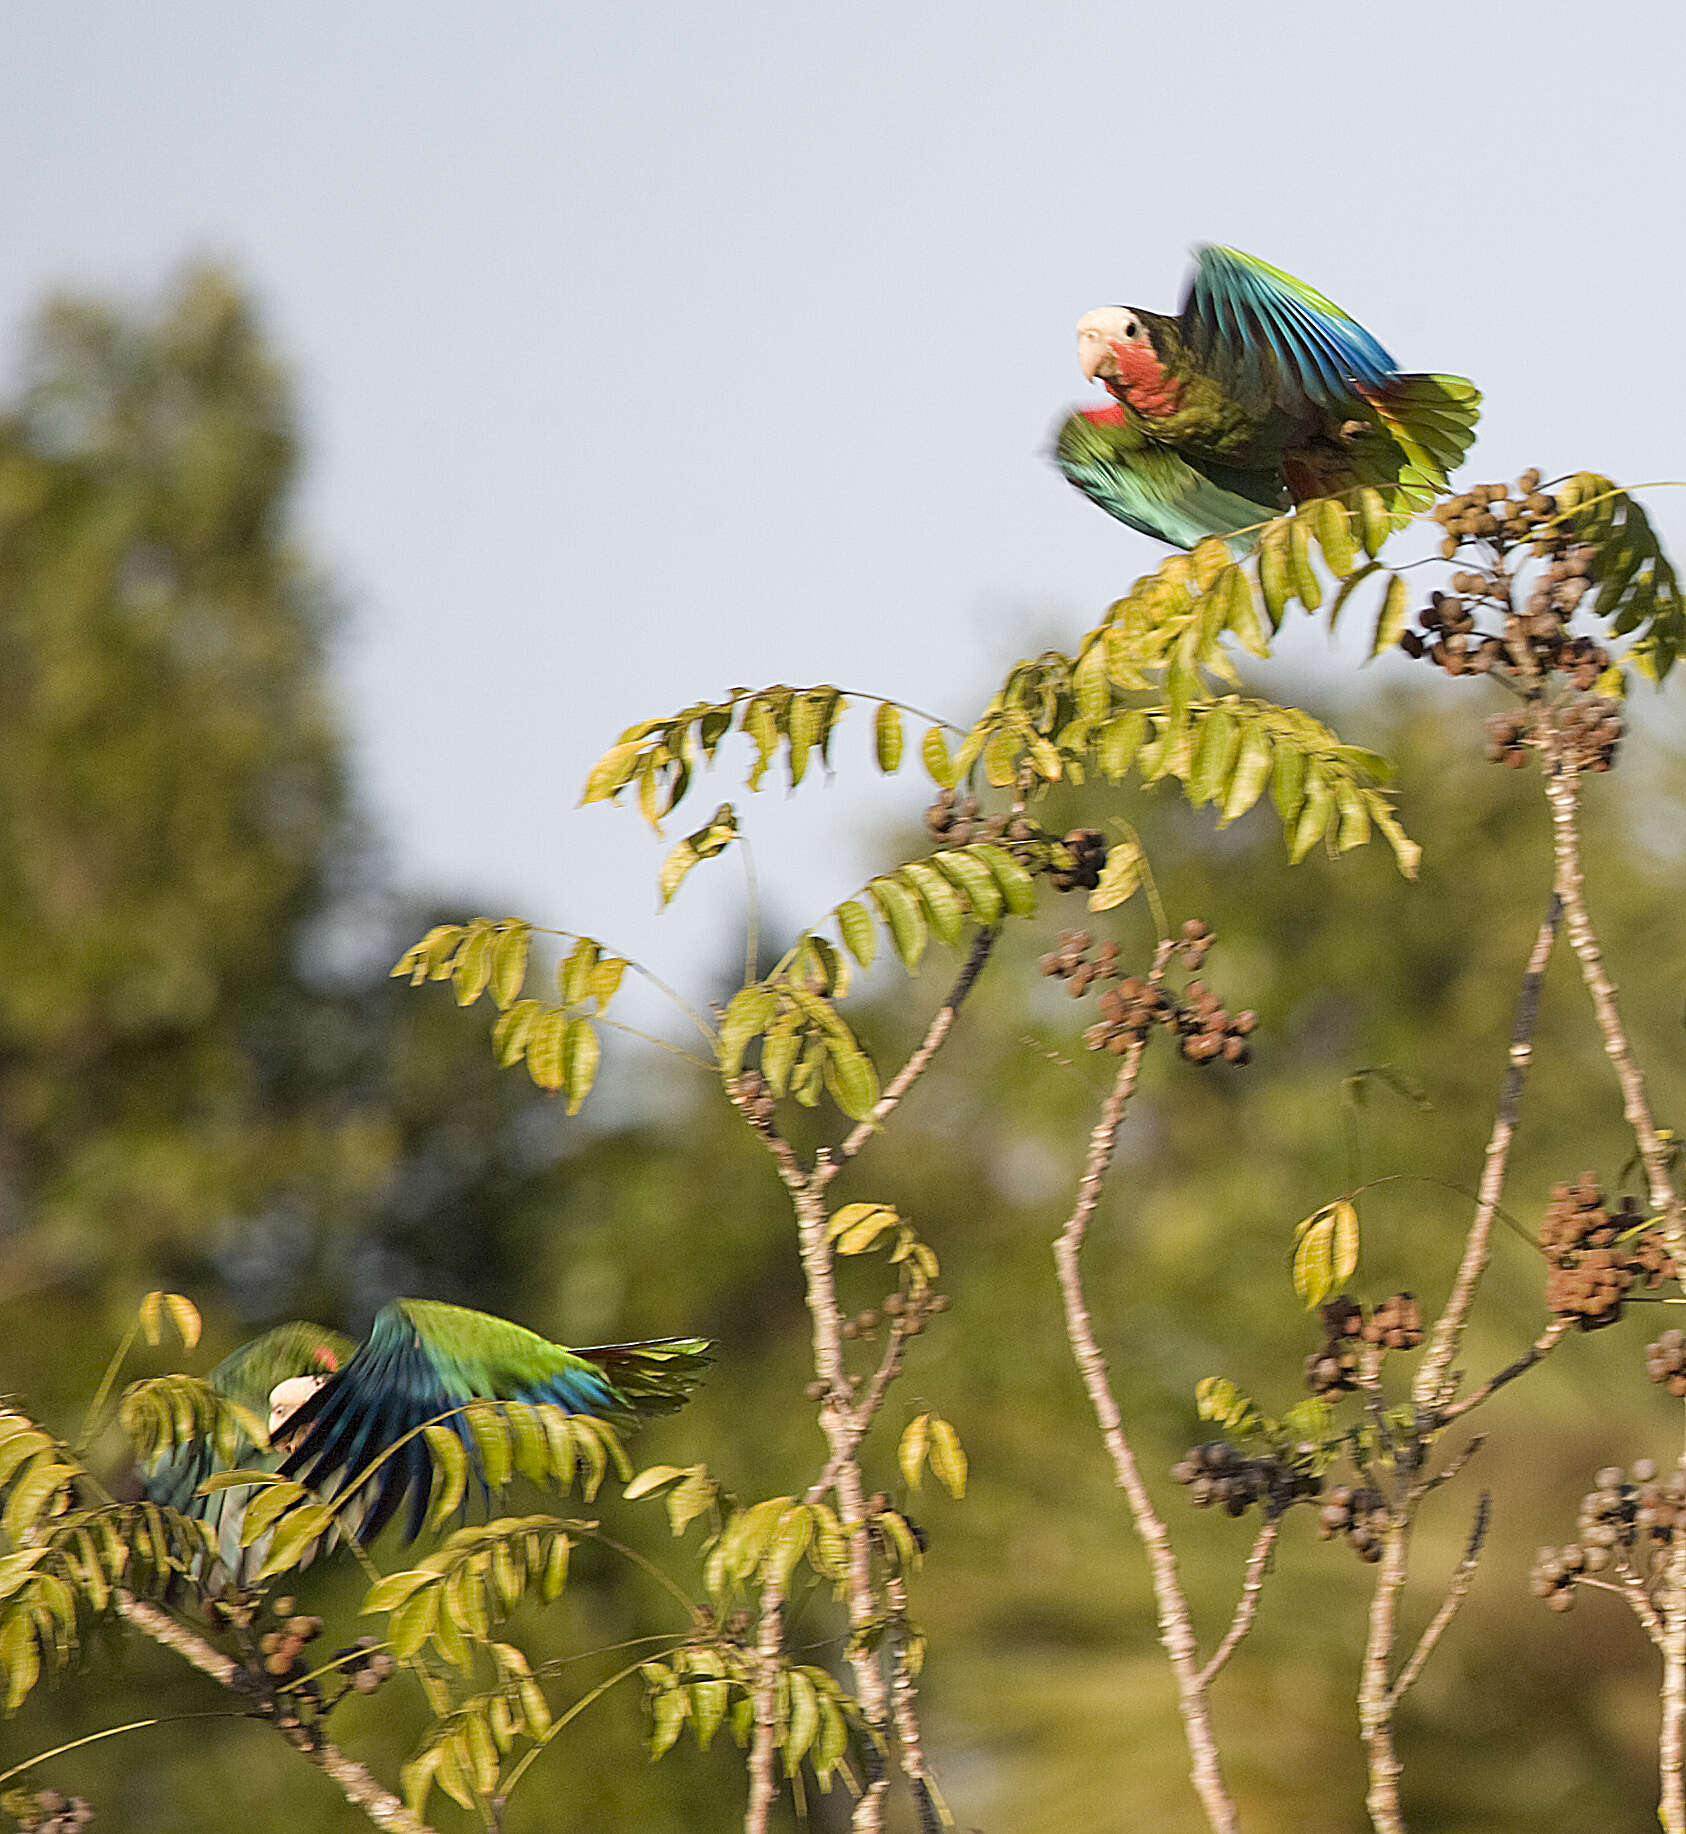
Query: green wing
[
  {"x": 1162, "y": 492},
  {"x": 424, "y": 1358}
]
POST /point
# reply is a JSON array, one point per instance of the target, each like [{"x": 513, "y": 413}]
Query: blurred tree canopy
[
  {"x": 205, "y": 1082},
  {"x": 204, "y": 1078}
]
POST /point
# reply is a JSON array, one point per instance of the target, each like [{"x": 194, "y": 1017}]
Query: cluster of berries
[
  {"x": 911, "y": 1309},
  {"x": 1665, "y": 1362},
  {"x": 1070, "y": 961},
  {"x": 1087, "y": 850},
  {"x": 365, "y": 1665},
  {"x": 955, "y": 820},
  {"x": 1395, "y": 1324},
  {"x": 46, "y": 1811},
  {"x": 1219, "y": 1476},
  {"x": 1628, "y": 1520},
  {"x": 283, "y": 1649},
  {"x": 1495, "y": 513},
  {"x": 1203, "y": 1028},
  {"x": 1358, "y": 1511},
  {"x": 1589, "y": 731},
  {"x": 1533, "y": 637},
  {"x": 1596, "y": 1254}
]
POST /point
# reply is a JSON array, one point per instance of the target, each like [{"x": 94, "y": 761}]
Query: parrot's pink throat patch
[{"x": 1141, "y": 381}]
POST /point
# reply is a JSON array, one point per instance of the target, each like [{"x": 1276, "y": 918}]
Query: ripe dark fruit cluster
[
  {"x": 1396, "y": 1324},
  {"x": 1590, "y": 729},
  {"x": 908, "y": 1311},
  {"x": 1204, "y": 1030},
  {"x": 1359, "y": 1512},
  {"x": 956, "y": 821},
  {"x": 1509, "y": 613},
  {"x": 1219, "y": 1476},
  {"x": 1195, "y": 942},
  {"x": 1665, "y": 1361},
  {"x": 1496, "y": 514},
  {"x": 1332, "y": 1368},
  {"x": 365, "y": 1665},
  {"x": 1597, "y": 1253},
  {"x": 1627, "y": 1521},
  {"x": 1087, "y": 850},
  {"x": 1070, "y": 961},
  {"x": 283, "y": 1649}
]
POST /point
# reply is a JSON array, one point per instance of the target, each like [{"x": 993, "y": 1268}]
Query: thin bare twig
[
  {"x": 1450, "y": 1605},
  {"x": 942, "y": 1022},
  {"x": 1447, "y": 1471},
  {"x": 354, "y": 1782},
  {"x": 1541, "y": 1347},
  {"x": 1428, "y": 1389},
  {"x": 1176, "y": 1632},
  {"x": 1246, "y": 1609}
]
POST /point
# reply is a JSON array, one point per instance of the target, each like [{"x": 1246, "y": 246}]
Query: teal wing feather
[
  {"x": 424, "y": 1358},
  {"x": 1269, "y": 334},
  {"x": 1161, "y": 492}
]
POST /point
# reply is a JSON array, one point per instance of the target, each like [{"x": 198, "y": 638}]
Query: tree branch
[
  {"x": 1450, "y": 1605},
  {"x": 932, "y": 1813},
  {"x": 355, "y": 1783},
  {"x": 1375, "y": 1691},
  {"x": 1563, "y": 793},
  {"x": 1246, "y": 1609},
  {"x": 1176, "y": 1632},
  {"x": 942, "y": 1022},
  {"x": 1429, "y": 1388},
  {"x": 837, "y": 1421},
  {"x": 763, "y": 1751},
  {"x": 1541, "y": 1347}
]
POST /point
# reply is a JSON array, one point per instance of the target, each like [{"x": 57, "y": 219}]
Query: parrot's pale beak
[{"x": 1094, "y": 349}]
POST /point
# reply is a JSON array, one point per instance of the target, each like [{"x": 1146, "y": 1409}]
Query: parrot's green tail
[
  {"x": 1432, "y": 423},
  {"x": 656, "y": 1377}
]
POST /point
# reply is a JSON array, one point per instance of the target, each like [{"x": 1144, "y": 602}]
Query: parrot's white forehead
[
  {"x": 1107, "y": 321},
  {"x": 286, "y": 1398}
]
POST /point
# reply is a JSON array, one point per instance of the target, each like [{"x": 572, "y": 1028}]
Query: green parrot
[
  {"x": 282, "y": 1366},
  {"x": 332, "y": 1406},
  {"x": 1258, "y": 395}
]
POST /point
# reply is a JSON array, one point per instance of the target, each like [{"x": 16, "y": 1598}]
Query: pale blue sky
[{"x": 645, "y": 350}]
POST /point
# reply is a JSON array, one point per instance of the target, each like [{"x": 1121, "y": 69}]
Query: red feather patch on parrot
[{"x": 1141, "y": 381}]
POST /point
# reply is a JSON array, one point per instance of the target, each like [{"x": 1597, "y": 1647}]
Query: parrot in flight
[
  {"x": 332, "y": 1406},
  {"x": 1259, "y": 394}
]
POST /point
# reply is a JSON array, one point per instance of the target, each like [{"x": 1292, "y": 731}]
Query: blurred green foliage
[{"x": 206, "y": 1082}]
